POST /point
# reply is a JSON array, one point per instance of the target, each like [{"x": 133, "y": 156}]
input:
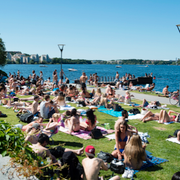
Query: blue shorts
[
  {"x": 121, "y": 150},
  {"x": 36, "y": 114},
  {"x": 146, "y": 104}
]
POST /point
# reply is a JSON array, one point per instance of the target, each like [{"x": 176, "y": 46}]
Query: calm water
[{"x": 165, "y": 75}]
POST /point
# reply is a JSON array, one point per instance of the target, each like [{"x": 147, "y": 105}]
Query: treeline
[{"x": 70, "y": 61}]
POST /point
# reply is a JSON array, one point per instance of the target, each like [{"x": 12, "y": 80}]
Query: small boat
[
  {"x": 72, "y": 69},
  {"x": 146, "y": 66},
  {"x": 42, "y": 66},
  {"x": 118, "y": 66}
]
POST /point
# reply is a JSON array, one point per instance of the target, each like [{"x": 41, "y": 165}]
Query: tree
[
  {"x": 2, "y": 53},
  {"x": 18, "y": 61}
]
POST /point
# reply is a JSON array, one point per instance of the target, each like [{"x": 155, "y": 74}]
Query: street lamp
[
  {"x": 61, "y": 46},
  {"x": 178, "y": 26}
]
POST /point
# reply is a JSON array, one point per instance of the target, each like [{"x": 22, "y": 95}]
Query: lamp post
[
  {"x": 61, "y": 46},
  {"x": 178, "y": 27}
]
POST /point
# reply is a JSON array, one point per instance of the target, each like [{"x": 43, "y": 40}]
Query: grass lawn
[{"x": 158, "y": 145}]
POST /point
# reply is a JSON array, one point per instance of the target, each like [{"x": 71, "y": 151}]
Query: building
[
  {"x": 35, "y": 57},
  {"x": 45, "y": 57}
]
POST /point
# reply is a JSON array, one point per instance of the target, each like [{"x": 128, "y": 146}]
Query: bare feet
[{"x": 80, "y": 151}]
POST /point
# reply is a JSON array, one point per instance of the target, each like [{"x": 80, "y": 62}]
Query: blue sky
[{"x": 96, "y": 29}]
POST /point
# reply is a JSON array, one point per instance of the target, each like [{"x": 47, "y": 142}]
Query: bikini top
[{"x": 124, "y": 140}]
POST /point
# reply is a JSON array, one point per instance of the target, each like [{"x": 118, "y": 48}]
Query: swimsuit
[{"x": 124, "y": 140}]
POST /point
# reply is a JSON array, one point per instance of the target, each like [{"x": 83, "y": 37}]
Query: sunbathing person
[
  {"x": 73, "y": 123},
  {"x": 150, "y": 105},
  {"x": 163, "y": 116},
  {"x": 53, "y": 153},
  {"x": 52, "y": 124},
  {"x": 28, "y": 126},
  {"x": 60, "y": 100},
  {"x": 90, "y": 122},
  {"x": 86, "y": 94},
  {"x": 165, "y": 92},
  {"x": 148, "y": 88},
  {"x": 93, "y": 165},
  {"x": 122, "y": 136},
  {"x": 134, "y": 153}
]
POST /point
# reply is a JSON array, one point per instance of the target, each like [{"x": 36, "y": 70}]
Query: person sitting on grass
[
  {"x": 90, "y": 122},
  {"x": 134, "y": 153},
  {"x": 124, "y": 117},
  {"x": 53, "y": 124},
  {"x": 104, "y": 102},
  {"x": 60, "y": 99},
  {"x": 93, "y": 165},
  {"x": 165, "y": 92},
  {"x": 148, "y": 88},
  {"x": 73, "y": 123},
  {"x": 122, "y": 136}
]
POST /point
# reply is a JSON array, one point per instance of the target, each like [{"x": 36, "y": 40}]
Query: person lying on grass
[
  {"x": 150, "y": 105},
  {"x": 163, "y": 116}
]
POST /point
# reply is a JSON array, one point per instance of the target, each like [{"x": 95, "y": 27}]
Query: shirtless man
[
  {"x": 35, "y": 109},
  {"x": 53, "y": 153},
  {"x": 165, "y": 92},
  {"x": 83, "y": 79},
  {"x": 93, "y": 165},
  {"x": 117, "y": 77}
]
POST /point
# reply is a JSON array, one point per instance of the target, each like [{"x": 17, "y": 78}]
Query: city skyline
[{"x": 96, "y": 30}]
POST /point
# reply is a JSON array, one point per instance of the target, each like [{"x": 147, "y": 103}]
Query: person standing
[
  {"x": 62, "y": 75},
  {"x": 83, "y": 80}
]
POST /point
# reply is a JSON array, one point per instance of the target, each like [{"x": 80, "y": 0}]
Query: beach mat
[
  {"x": 152, "y": 161},
  {"x": 173, "y": 139},
  {"x": 112, "y": 112},
  {"x": 85, "y": 134}
]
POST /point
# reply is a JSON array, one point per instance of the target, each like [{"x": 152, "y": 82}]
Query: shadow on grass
[
  {"x": 67, "y": 143},
  {"x": 153, "y": 168}
]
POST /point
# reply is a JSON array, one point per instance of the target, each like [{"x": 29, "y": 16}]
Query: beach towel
[
  {"x": 152, "y": 161},
  {"x": 66, "y": 107},
  {"x": 173, "y": 139},
  {"x": 85, "y": 134},
  {"x": 111, "y": 112},
  {"x": 142, "y": 135}
]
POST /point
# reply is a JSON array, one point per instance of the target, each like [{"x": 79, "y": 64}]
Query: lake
[{"x": 165, "y": 75}]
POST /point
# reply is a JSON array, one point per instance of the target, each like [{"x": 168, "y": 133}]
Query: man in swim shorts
[{"x": 83, "y": 80}]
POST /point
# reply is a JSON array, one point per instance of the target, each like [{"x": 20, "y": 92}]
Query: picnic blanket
[
  {"x": 85, "y": 134},
  {"x": 142, "y": 135},
  {"x": 111, "y": 112},
  {"x": 173, "y": 139},
  {"x": 66, "y": 107},
  {"x": 152, "y": 161}
]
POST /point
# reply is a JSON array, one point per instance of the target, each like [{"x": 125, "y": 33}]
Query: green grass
[{"x": 158, "y": 145}]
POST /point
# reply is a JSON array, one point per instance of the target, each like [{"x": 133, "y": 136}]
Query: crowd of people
[{"x": 45, "y": 98}]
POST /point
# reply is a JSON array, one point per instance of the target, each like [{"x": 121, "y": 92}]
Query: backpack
[
  {"x": 96, "y": 133},
  {"x": 106, "y": 157},
  {"x": 117, "y": 166},
  {"x": 27, "y": 117},
  {"x": 134, "y": 111},
  {"x": 117, "y": 107}
]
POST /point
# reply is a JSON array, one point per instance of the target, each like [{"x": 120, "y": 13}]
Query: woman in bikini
[
  {"x": 52, "y": 125},
  {"x": 122, "y": 137},
  {"x": 60, "y": 100},
  {"x": 73, "y": 123},
  {"x": 90, "y": 122}
]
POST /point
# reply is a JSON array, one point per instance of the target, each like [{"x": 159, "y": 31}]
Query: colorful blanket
[{"x": 85, "y": 134}]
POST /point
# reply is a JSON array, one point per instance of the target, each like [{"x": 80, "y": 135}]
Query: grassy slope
[{"x": 158, "y": 146}]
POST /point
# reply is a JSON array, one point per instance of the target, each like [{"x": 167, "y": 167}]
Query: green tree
[
  {"x": 18, "y": 61},
  {"x": 31, "y": 61},
  {"x": 2, "y": 53}
]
